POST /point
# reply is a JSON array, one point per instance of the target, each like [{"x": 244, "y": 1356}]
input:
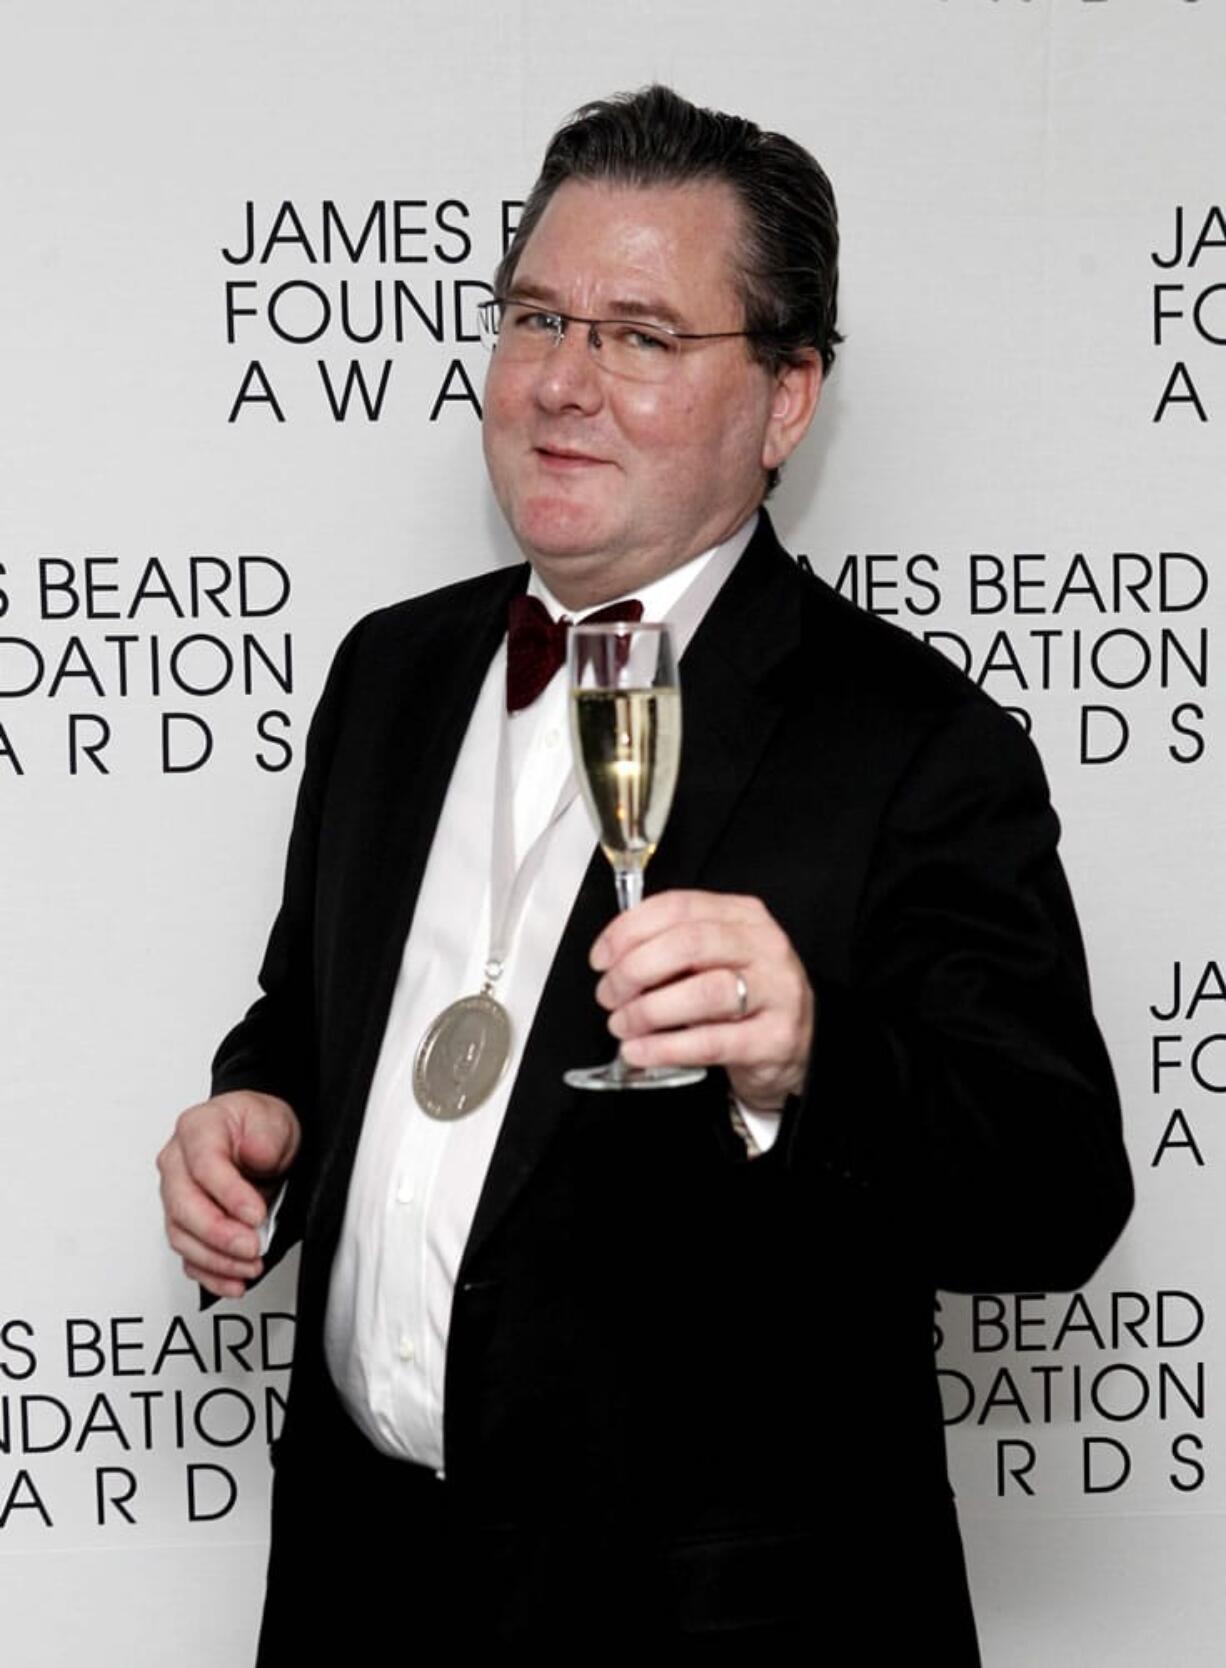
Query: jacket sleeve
[
  {"x": 958, "y": 1073},
  {"x": 274, "y": 1049}
]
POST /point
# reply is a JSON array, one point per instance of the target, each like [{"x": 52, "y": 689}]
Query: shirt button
[
  {"x": 404, "y": 1193},
  {"x": 552, "y": 738},
  {"x": 407, "y": 1352}
]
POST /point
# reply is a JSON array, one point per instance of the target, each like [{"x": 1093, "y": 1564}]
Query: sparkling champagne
[
  {"x": 625, "y": 726},
  {"x": 628, "y": 744}
]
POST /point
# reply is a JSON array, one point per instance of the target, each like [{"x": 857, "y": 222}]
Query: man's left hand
[{"x": 709, "y": 979}]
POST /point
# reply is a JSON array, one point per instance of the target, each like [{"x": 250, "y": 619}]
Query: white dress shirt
[{"x": 416, "y": 1180}]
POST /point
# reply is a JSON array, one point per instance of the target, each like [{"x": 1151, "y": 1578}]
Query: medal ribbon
[{"x": 510, "y": 883}]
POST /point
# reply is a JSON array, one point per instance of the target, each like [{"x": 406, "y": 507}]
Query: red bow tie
[{"x": 536, "y": 645}]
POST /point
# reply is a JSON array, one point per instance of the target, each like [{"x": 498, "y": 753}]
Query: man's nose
[{"x": 569, "y": 375}]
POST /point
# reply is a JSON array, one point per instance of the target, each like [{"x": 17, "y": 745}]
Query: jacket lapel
[{"x": 448, "y": 670}]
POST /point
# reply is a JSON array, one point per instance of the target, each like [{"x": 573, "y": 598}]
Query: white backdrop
[{"x": 1019, "y": 453}]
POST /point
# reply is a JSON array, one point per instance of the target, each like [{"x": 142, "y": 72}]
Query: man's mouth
[{"x": 567, "y": 457}]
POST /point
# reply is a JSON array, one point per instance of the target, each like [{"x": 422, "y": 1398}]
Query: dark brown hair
[{"x": 789, "y": 275}]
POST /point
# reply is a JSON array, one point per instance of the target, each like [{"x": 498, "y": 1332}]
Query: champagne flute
[{"x": 625, "y": 726}]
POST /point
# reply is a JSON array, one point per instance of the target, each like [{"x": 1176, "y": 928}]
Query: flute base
[{"x": 618, "y": 1075}]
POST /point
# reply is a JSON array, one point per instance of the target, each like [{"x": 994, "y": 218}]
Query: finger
[
  {"x": 752, "y": 1044},
  {"x": 209, "y": 1162},
  {"x": 687, "y": 947},
  {"x": 760, "y": 1073},
  {"x": 203, "y": 1257},
  {"x": 714, "y": 995},
  {"x": 664, "y": 910},
  {"x": 189, "y": 1209},
  {"x": 766, "y": 1057},
  {"x": 218, "y": 1285},
  {"x": 267, "y": 1142}
]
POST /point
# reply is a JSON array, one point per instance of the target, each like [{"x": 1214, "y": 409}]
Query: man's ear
[{"x": 796, "y": 393}]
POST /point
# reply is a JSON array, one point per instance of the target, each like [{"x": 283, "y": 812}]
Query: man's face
[{"x": 608, "y": 483}]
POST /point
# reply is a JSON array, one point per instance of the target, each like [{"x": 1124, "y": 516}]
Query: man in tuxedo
[{"x": 587, "y": 1370}]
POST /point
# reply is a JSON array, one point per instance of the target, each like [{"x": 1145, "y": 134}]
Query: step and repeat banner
[{"x": 243, "y": 247}]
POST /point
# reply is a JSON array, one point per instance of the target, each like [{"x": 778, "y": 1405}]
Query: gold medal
[{"x": 461, "y": 1057}]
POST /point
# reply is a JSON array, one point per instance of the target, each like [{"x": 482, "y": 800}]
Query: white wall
[{"x": 1005, "y": 169}]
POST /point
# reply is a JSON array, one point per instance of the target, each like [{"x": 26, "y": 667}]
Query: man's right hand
[{"x": 218, "y": 1171}]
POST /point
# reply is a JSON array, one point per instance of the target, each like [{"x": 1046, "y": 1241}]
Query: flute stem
[{"x": 629, "y": 887}]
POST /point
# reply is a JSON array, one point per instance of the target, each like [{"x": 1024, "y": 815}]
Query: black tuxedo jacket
[{"x": 700, "y": 1386}]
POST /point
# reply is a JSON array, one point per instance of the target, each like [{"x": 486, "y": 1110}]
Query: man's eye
[
  {"x": 641, "y": 338},
  {"x": 544, "y": 324}
]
